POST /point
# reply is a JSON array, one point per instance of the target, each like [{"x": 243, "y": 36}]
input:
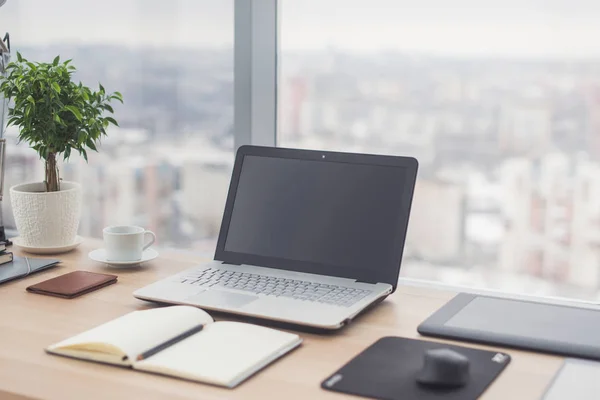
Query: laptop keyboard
[{"x": 272, "y": 286}]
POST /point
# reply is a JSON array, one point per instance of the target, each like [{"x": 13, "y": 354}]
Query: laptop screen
[{"x": 340, "y": 218}]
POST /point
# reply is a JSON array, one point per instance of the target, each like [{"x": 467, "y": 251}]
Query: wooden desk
[{"x": 30, "y": 322}]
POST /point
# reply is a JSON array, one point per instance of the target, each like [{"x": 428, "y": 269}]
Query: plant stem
[{"x": 52, "y": 177}]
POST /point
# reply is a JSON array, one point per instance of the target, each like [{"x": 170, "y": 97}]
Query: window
[
  {"x": 167, "y": 167},
  {"x": 500, "y": 103}
]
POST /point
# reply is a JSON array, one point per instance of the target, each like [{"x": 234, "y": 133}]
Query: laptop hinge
[{"x": 224, "y": 262}]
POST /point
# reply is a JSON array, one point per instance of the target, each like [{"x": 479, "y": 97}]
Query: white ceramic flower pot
[{"x": 46, "y": 219}]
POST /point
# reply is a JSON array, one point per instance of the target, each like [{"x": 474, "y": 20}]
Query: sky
[{"x": 458, "y": 27}]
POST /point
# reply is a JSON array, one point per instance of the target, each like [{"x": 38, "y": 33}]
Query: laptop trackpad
[{"x": 221, "y": 299}]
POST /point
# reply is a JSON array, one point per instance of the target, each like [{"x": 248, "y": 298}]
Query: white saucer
[
  {"x": 100, "y": 256},
  {"x": 47, "y": 250}
]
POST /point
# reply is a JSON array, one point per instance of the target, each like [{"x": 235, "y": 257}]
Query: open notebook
[{"x": 222, "y": 353}]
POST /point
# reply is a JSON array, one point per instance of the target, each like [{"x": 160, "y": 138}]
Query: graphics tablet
[{"x": 564, "y": 330}]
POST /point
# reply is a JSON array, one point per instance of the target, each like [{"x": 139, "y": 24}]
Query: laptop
[{"x": 307, "y": 237}]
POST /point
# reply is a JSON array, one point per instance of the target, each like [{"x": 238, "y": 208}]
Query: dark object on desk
[
  {"x": 22, "y": 267},
  {"x": 551, "y": 328},
  {"x": 390, "y": 368},
  {"x": 165, "y": 345},
  {"x": 5, "y": 257},
  {"x": 444, "y": 368},
  {"x": 73, "y": 284},
  {"x": 4, "y": 241}
]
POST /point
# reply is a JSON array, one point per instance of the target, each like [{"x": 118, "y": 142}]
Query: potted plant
[{"x": 56, "y": 117}]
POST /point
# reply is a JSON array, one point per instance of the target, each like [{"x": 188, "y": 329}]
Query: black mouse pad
[{"x": 388, "y": 370}]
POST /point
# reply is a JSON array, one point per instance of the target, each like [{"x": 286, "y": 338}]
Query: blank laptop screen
[{"x": 337, "y": 214}]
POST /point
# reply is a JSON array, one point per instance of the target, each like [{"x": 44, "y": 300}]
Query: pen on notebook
[{"x": 170, "y": 342}]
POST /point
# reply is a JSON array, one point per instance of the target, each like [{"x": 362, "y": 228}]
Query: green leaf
[
  {"x": 57, "y": 118},
  {"x": 108, "y": 108},
  {"x": 56, "y": 87},
  {"x": 117, "y": 96},
  {"x": 56, "y": 60},
  {"x": 19, "y": 57},
  {"x": 75, "y": 112},
  {"x": 101, "y": 88},
  {"x": 13, "y": 121},
  {"x": 112, "y": 121},
  {"x": 90, "y": 143},
  {"x": 30, "y": 99},
  {"x": 81, "y": 137}
]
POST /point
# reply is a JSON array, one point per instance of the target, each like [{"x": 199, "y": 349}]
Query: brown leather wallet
[{"x": 73, "y": 284}]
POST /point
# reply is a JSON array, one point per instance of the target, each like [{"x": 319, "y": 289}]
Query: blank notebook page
[
  {"x": 221, "y": 353},
  {"x": 139, "y": 331}
]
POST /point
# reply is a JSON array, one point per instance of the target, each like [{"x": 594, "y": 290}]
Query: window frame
[{"x": 256, "y": 70}]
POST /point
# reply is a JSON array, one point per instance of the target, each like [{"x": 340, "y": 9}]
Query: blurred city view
[
  {"x": 500, "y": 103},
  {"x": 167, "y": 166},
  {"x": 508, "y": 193}
]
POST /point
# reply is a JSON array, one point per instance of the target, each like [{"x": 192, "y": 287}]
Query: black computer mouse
[{"x": 444, "y": 368}]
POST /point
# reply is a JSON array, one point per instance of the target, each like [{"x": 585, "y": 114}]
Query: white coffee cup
[{"x": 126, "y": 243}]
